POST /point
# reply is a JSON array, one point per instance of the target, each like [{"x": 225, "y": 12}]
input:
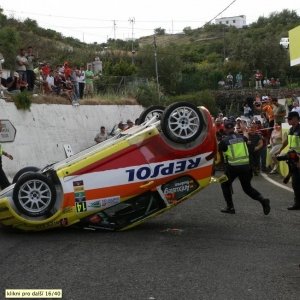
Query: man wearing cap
[
  {"x": 293, "y": 141},
  {"x": 236, "y": 159}
]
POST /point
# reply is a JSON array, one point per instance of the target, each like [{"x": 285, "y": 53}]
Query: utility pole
[
  {"x": 114, "y": 22},
  {"x": 224, "y": 47},
  {"x": 156, "y": 67},
  {"x": 132, "y": 21}
]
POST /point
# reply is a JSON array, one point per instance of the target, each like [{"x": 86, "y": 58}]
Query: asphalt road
[{"x": 190, "y": 252}]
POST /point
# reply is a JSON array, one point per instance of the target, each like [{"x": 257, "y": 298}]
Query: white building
[{"x": 237, "y": 21}]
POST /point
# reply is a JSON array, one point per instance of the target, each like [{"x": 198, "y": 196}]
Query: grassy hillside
[{"x": 184, "y": 64}]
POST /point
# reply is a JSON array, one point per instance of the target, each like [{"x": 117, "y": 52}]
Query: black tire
[
  {"x": 34, "y": 195},
  {"x": 150, "y": 112},
  {"x": 24, "y": 171},
  {"x": 182, "y": 122}
]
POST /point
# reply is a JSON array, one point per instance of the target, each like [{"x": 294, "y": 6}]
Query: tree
[
  {"x": 31, "y": 25},
  {"x": 187, "y": 30},
  {"x": 3, "y": 18},
  {"x": 169, "y": 66},
  {"x": 159, "y": 31},
  {"x": 10, "y": 40}
]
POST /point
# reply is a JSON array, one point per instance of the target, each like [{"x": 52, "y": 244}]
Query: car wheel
[
  {"x": 182, "y": 122},
  {"x": 34, "y": 195},
  {"x": 150, "y": 112},
  {"x": 24, "y": 171}
]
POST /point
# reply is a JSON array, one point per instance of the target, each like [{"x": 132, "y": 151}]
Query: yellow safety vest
[
  {"x": 294, "y": 142},
  {"x": 237, "y": 153},
  {"x": 1, "y": 150}
]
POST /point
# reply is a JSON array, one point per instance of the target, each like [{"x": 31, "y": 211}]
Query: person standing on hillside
[
  {"x": 81, "y": 82},
  {"x": 258, "y": 78},
  {"x": 89, "y": 77},
  {"x": 21, "y": 65},
  {"x": 239, "y": 80},
  {"x": 229, "y": 81},
  {"x": 29, "y": 69}
]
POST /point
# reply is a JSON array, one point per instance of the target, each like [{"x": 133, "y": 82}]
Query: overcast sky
[{"x": 96, "y": 20}]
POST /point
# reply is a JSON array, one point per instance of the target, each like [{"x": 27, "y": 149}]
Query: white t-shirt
[
  {"x": 297, "y": 109},
  {"x": 50, "y": 81},
  {"x": 21, "y": 59}
]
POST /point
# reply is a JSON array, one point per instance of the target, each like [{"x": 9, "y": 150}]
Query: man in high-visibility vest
[
  {"x": 3, "y": 179},
  {"x": 236, "y": 159},
  {"x": 293, "y": 141}
]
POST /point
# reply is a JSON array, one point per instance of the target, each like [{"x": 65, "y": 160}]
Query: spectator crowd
[
  {"x": 66, "y": 80},
  {"x": 260, "y": 81},
  {"x": 261, "y": 123}
]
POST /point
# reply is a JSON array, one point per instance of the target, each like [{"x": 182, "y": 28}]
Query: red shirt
[
  {"x": 45, "y": 70},
  {"x": 67, "y": 72}
]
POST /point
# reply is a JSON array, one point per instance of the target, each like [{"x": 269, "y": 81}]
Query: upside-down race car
[{"x": 121, "y": 182}]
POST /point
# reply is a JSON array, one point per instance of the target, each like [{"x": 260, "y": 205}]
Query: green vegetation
[
  {"x": 190, "y": 64},
  {"x": 23, "y": 100}
]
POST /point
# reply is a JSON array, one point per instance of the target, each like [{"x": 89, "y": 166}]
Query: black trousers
[
  {"x": 30, "y": 79},
  {"x": 296, "y": 185},
  {"x": 244, "y": 174},
  {"x": 4, "y": 183},
  {"x": 81, "y": 89}
]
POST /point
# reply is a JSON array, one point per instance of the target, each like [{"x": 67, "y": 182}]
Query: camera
[{"x": 290, "y": 156}]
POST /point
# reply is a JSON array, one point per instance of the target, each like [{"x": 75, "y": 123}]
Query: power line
[
  {"x": 97, "y": 19},
  {"x": 132, "y": 21},
  {"x": 220, "y": 12},
  {"x": 121, "y": 28}
]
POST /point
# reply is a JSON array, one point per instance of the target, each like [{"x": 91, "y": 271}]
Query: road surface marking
[{"x": 276, "y": 183}]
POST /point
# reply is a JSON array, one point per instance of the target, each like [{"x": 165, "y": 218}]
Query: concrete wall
[{"x": 43, "y": 131}]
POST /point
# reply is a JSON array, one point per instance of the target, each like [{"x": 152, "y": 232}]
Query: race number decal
[{"x": 81, "y": 207}]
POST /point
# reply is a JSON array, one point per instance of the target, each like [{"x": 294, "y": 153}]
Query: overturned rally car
[{"x": 121, "y": 182}]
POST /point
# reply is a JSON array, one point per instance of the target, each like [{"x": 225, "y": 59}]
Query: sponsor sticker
[
  {"x": 159, "y": 170},
  {"x": 103, "y": 202},
  {"x": 178, "y": 188},
  {"x": 79, "y": 191}
]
